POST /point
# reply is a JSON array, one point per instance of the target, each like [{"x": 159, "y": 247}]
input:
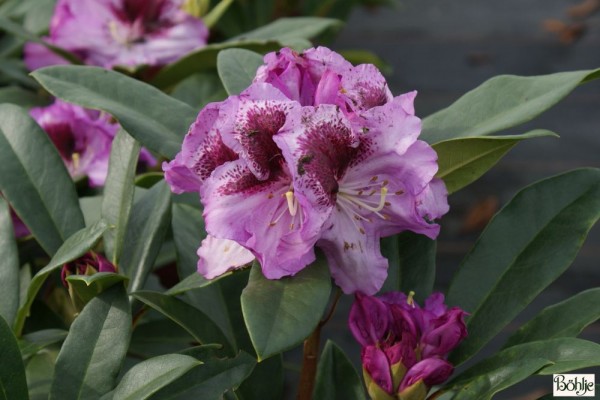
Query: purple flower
[
  {"x": 406, "y": 352},
  {"x": 127, "y": 33},
  {"x": 88, "y": 264},
  {"x": 311, "y": 77},
  {"x": 218, "y": 256},
  {"x": 369, "y": 177},
  {"x": 82, "y": 137},
  {"x": 322, "y": 154}
]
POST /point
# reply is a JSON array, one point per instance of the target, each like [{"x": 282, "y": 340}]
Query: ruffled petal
[
  {"x": 218, "y": 256},
  {"x": 368, "y": 320}
]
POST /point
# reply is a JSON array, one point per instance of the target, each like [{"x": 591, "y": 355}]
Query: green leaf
[
  {"x": 188, "y": 232},
  {"x": 417, "y": 264},
  {"x": 155, "y": 119},
  {"x": 209, "y": 380},
  {"x": 92, "y": 354},
  {"x": 9, "y": 266},
  {"x": 193, "y": 282},
  {"x": 500, "y": 103},
  {"x": 486, "y": 385},
  {"x": 12, "y": 371},
  {"x": 565, "y": 319},
  {"x": 32, "y": 343},
  {"x": 336, "y": 377},
  {"x": 118, "y": 192},
  {"x": 74, "y": 247},
  {"x": 198, "y": 89},
  {"x": 21, "y": 97},
  {"x": 86, "y": 287},
  {"x": 499, "y": 277},
  {"x": 561, "y": 354},
  {"x": 216, "y": 13},
  {"x": 147, "y": 377},
  {"x": 205, "y": 59},
  {"x": 39, "y": 371},
  {"x": 254, "y": 387},
  {"x": 158, "y": 337},
  {"x": 203, "y": 329},
  {"x": 281, "y": 313},
  {"x": 17, "y": 30},
  {"x": 237, "y": 68},
  {"x": 148, "y": 224},
  {"x": 35, "y": 181},
  {"x": 288, "y": 30},
  {"x": 462, "y": 161}
]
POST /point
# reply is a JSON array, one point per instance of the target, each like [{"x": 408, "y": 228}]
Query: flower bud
[{"x": 88, "y": 264}]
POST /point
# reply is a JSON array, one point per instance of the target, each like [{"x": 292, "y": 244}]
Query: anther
[{"x": 292, "y": 203}]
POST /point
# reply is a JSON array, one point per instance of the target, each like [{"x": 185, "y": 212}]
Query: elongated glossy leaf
[
  {"x": 9, "y": 266},
  {"x": 499, "y": 277},
  {"x": 188, "y": 317},
  {"x": 118, "y": 192},
  {"x": 149, "y": 376},
  {"x": 198, "y": 89},
  {"x": 205, "y": 59},
  {"x": 39, "y": 371},
  {"x": 562, "y": 354},
  {"x": 336, "y": 377},
  {"x": 193, "y": 282},
  {"x": 155, "y": 119},
  {"x": 216, "y": 13},
  {"x": 286, "y": 30},
  {"x": 565, "y": 319},
  {"x": 188, "y": 232},
  {"x": 90, "y": 358},
  {"x": 35, "y": 181},
  {"x": 158, "y": 337},
  {"x": 254, "y": 387},
  {"x": 237, "y": 68},
  {"x": 75, "y": 246},
  {"x": 484, "y": 386},
  {"x": 32, "y": 343},
  {"x": 12, "y": 372},
  {"x": 210, "y": 380},
  {"x": 462, "y": 161},
  {"x": 148, "y": 224},
  {"x": 500, "y": 103},
  {"x": 21, "y": 97},
  {"x": 281, "y": 313},
  {"x": 17, "y": 30},
  {"x": 417, "y": 264}
]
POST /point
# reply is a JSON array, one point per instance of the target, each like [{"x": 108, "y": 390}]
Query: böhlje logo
[{"x": 574, "y": 385}]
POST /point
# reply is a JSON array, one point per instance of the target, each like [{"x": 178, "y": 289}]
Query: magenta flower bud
[
  {"x": 369, "y": 319},
  {"x": 376, "y": 364},
  {"x": 88, "y": 264},
  {"x": 431, "y": 371},
  {"x": 126, "y": 33},
  {"x": 445, "y": 333}
]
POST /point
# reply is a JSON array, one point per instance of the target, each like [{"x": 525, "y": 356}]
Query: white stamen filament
[{"x": 353, "y": 199}]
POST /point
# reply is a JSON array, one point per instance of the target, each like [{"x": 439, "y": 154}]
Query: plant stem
[{"x": 311, "y": 355}]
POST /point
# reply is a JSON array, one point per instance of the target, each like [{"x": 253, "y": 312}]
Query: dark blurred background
[{"x": 444, "y": 48}]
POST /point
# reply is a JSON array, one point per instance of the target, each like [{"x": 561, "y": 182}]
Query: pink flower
[
  {"x": 322, "y": 154},
  {"x": 126, "y": 33},
  {"x": 82, "y": 137},
  {"x": 408, "y": 355},
  {"x": 369, "y": 177}
]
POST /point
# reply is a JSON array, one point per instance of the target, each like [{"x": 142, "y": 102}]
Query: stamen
[
  {"x": 291, "y": 202},
  {"x": 75, "y": 158},
  {"x": 410, "y": 300},
  {"x": 364, "y": 205}
]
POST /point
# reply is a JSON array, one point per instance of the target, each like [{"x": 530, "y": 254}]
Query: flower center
[
  {"x": 358, "y": 200},
  {"x": 290, "y": 206}
]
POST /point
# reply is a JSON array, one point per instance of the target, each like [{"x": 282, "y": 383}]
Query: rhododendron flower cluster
[
  {"x": 316, "y": 152},
  {"x": 83, "y": 138},
  {"x": 404, "y": 346},
  {"x": 126, "y": 33}
]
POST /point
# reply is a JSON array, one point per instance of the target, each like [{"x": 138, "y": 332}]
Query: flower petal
[
  {"x": 218, "y": 256},
  {"x": 368, "y": 320},
  {"x": 432, "y": 371}
]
